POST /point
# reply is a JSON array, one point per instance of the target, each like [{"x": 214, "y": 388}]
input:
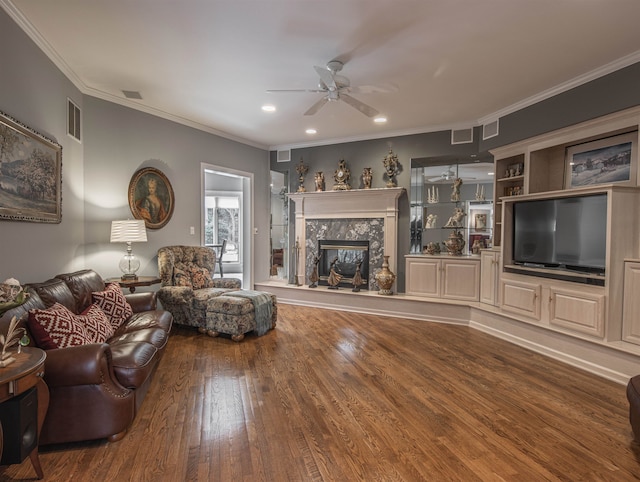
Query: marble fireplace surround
[{"x": 357, "y": 214}]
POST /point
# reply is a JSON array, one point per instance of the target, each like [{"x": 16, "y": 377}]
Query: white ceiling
[{"x": 209, "y": 63}]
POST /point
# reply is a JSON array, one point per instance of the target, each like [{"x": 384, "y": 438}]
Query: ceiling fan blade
[
  {"x": 317, "y": 106},
  {"x": 374, "y": 89},
  {"x": 361, "y": 106},
  {"x": 327, "y": 77},
  {"x": 277, "y": 91}
]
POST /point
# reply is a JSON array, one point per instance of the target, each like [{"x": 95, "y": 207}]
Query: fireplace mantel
[{"x": 351, "y": 204}]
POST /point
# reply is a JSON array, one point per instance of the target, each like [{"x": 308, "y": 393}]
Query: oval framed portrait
[{"x": 151, "y": 197}]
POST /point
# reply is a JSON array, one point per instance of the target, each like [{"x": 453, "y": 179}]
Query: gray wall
[{"x": 117, "y": 141}]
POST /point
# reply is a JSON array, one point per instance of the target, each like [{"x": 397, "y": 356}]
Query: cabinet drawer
[
  {"x": 521, "y": 298},
  {"x": 579, "y": 312}
]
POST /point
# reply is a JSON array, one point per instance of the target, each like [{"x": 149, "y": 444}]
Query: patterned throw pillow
[
  {"x": 200, "y": 278},
  {"x": 96, "y": 323},
  {"x": 181, "y": 276},
  {"x": 114, "y": 304},
  {"x": 56, "y": 327}
]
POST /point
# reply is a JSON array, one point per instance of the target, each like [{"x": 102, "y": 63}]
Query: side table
[
  {"x": 132, "y": 284},
  {"x": 25, "y": 372}
]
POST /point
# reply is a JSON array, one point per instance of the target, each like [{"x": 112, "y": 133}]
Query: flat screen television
[{"x": 568, "y": 233}]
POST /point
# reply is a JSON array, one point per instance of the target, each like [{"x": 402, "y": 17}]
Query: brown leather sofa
[
  {"x": 96, "y": 389},
  {"x": 633, "y": 396}
]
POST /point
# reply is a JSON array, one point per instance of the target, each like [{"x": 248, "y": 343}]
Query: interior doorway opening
[{"x": 226, "y": 216}]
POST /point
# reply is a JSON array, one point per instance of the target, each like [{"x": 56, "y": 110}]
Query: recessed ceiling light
[
  {"x": 380, "y": 119},
  {"x": 490, "y": 173},
  {"x": 311, "y": 131},
  {"x": 269, "y": 108}
]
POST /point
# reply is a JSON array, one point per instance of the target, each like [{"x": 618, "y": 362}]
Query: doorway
[{"x": 227, "y": 215}]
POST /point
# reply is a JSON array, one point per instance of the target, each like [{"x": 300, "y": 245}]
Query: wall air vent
[
  {"x": 132, "y": 94},
  {"x": 490, "y": 130},
  {"x": 284, "y": 156},
  {"x": 73, "y": 120},
  {"x": 462, "y": 136}
]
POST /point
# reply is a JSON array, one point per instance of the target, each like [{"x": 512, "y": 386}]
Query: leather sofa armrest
[
  {"x": 139, "y": 302},
  {"x": 81, "y": 365}
]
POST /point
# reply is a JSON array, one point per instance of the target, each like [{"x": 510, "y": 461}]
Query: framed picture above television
[{"x": 605, "y": 161}]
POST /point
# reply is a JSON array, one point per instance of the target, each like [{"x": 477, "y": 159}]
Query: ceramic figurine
[
  {"x": 391, "y": 168},
  {"x": 302, "y": 170},
  {"x": 366, "y": 177},
  {"x": 455, "y": 190},
  {"x": 319, "y": 180},
  {"x": 334, "y": 277},
  {"x": 455, "y": 221}
]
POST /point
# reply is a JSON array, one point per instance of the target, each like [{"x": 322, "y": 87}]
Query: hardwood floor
[{"x": 331, "y": 396}]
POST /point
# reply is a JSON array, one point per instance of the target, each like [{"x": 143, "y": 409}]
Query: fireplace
[
  {"x": 369, "y": 215},
  {"x": 347, "y": 256}
]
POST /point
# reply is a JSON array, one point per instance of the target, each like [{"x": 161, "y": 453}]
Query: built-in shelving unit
[{"x": 584, "y": 306}]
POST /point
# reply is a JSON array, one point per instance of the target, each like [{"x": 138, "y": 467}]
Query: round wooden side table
[{"x": 16, "y": 378}]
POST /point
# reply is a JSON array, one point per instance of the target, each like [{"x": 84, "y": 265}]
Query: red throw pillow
[
  {"x": 97, "y": 324},
  {"x": 114, "y": 304},
  {"x": 56, "y": 327}
]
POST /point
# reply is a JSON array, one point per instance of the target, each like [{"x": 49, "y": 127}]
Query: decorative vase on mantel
[{"x": 385, "y": 277}]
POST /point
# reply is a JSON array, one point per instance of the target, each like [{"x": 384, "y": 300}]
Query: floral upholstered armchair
[{"x": 188, "y": 284}]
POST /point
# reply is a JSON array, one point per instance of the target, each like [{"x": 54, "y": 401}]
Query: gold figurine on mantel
[
  {"x": 342, "y": 176},
  {"x": 391, "y": 167},
  {"x": 302, "y": 170}
]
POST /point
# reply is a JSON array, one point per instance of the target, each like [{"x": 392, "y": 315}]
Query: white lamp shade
[{"x": 129, "y": 231}]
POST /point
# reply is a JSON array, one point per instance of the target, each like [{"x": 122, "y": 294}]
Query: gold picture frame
[
  {"x": 30, "y": 174},
  {"x": 151, "y": 197}
]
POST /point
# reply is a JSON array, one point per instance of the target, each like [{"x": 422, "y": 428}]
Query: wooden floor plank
[{"x": 333, "y": 396}]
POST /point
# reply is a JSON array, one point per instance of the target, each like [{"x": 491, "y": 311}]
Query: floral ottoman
[{"x": 238, "y": 312}]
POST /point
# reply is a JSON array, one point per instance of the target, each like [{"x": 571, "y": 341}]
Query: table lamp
[{"x": 130, "y": 231}]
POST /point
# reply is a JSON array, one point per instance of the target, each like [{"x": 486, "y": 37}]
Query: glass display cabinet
[{"x": 442, "y": 207}]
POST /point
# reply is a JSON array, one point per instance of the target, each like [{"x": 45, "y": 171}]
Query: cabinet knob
[{"x": 40, "y": 374}]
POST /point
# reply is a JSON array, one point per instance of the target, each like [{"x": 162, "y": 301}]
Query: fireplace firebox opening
[{"x": 349, "y": 254}]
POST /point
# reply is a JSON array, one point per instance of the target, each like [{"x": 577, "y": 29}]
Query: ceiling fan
[
  {"x": 334, "y": 87},
  {"x": 448, "y": 176}
]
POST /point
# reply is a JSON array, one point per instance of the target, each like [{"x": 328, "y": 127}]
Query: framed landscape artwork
[
  {"x": 30, "y": 174},
  {"x": 151, "y": 197},
  {"x": 605, "y": 161}
]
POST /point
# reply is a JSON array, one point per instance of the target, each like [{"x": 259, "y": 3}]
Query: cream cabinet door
[
  {"x": 489, "y": 273},
  {"x": 423, "y": 276},
  {"x": 631, "y": 303},
  {"x": 461, "y": 279},
  {"x": 521, "y": 298},
  {"x": 577, "y": 311}
]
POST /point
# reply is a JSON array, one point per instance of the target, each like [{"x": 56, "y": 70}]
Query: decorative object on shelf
[
  {"x": 357, "y": 277},
  {"x": 433, "y": 195},
  {"x": 367, "y": 176},
  {"x": 480, "y": 192},
  {"x": 296, "y": 277},
  {"x": 431, "y": 248},
  {"x": 455, "y": 189},
  {"x": 11, "y": 294},
  {"x": 480, "y": 222},
  {"x": 319, "y": 180},
  {"x": 385, "y": 277},
  {"x": 334, "y": 278},
  {"x": 431, "y": 221},
  {"x": 454, "y": 243},
  {"x": 455, "y": 221},
  {"x": 477, "y": 246},
  {"x": 151, "y": 197},
  {"x": 36, "y": 196},
  {"x": 313, "y": 277},
  {"x": 302, "y": 170},
  {"x": 129, "y": 231},
  {"x": 391, "y": 168},
  {"x": 12, "y": 337},
  {"x": 601, "y": 162},
  {"x": 513, "y": 191},
  {"x": 342, "y": 176}
]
